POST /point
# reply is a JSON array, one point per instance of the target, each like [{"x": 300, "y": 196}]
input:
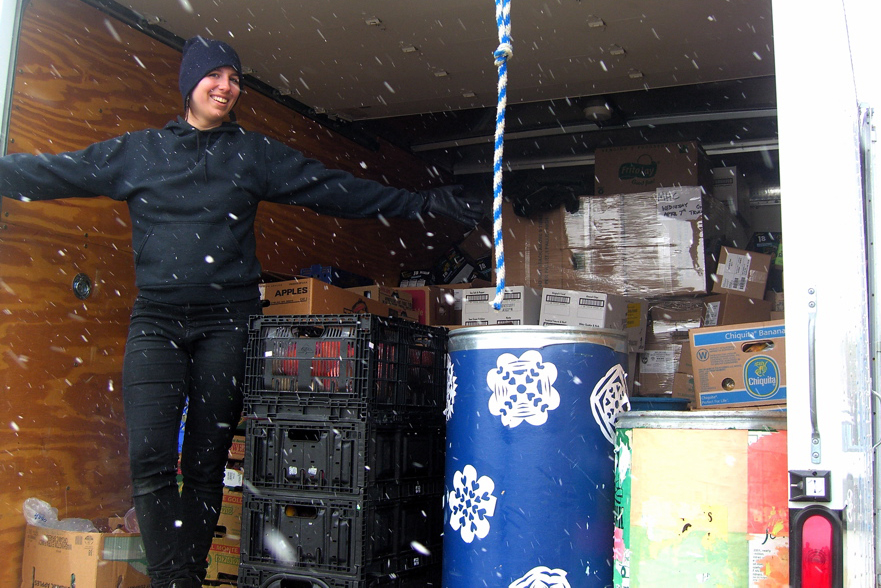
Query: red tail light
[{"x": 815, "y": 548}]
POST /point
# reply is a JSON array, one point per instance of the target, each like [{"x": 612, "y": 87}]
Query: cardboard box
[
  {"x": 632, "y": 371},
  {"x": 229, "y": 524},
  {"x": 89, "y": 560},
  {"x": 535, "y": 248},
  {"x": 671, "y": 320},
  {"x": 685, "y": 366},
  {"x": 683, "y": 387},
  {"x": 436, "y": 305},
  {"x": 310, "y": 296},
  {"x": 640, "y": 168},
  {"x": 657, "y": 365},
  {"x": 649, "y": 244},
  {"x": 520, "y": 306},
  {"x": 478, "y": 244},
  {"x": 452, "y": 267},
  {"x": 776, "y": 300},
  {"x": 739, "y": 365},
  {"x": 741, "y": 272},
  {"x": 237, "y": 449},
  {"x": 729, "y": 309},
  {"x": 400, "y": 302},
  {"x": 414, "y": 278},
  {"x": 766, "y": 242},
  {"x": 596, "y": 309},
  {"x": 483, "y": 268},
  {"x": 223, "y": 558},
  {"x": 765, "y": 217},
  {"x": 729, "y": 186},
  {"x": 636, "y": 323},
  {"x": 675, "y": 385}
]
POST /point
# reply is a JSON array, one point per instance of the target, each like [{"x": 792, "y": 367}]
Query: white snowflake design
[
  {"x": 608, "y": 399},
  {"x": 523, "y": 389},
  {"x": 451, "y": 389},
  {"x": 471, "y": 504},
  {"x": 542, "y": 577}
]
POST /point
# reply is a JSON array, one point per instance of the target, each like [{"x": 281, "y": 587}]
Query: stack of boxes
[
  {"x": 224, "y": 557},
  {"x": 701, "y": 369},
  {"x": 664, "y": 238},
  {"x": 739, "y": 354},
  {"x": 662, "y": 368},
  {"x": 344, "y": 452}
]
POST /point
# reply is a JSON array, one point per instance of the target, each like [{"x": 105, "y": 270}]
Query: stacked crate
[{"x": 344, "y": 452}]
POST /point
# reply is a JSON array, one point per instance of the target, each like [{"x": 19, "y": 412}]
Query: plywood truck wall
[{"x": 80, "y": 78}]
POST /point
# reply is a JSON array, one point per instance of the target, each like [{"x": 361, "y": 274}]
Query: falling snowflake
[
  {"x": 471, "y": 504},
  {"x": 523, "y": 389},
  {"x": 542, "y": 577},
  {"x": 608, "y": 399},
  {"x": 451, "y": 389}
]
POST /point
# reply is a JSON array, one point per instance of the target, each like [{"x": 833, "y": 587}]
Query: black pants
[{"x": 174, "y": 354}]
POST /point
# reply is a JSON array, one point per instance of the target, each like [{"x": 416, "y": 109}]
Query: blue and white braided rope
[{"x": 502, "y": 54}]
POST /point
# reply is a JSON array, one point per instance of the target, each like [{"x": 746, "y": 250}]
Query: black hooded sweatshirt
[{"x": 192, "y": 197}]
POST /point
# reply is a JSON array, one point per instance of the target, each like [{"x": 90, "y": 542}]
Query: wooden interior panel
[
  {"x": 81, "y": 78},
  {"x": 64, "y": 436}
]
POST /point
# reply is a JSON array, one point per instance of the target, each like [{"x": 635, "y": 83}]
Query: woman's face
[{"x": 213, "y": 98}]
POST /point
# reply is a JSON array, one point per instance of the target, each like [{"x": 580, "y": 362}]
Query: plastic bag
[
  {"x": 42, "y": 514},
  {"x": 131, "y": 521}
]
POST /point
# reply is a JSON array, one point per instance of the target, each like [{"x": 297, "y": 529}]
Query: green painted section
[
  {"x": 623, "y": 455},
  {"x": 693, "y": 559}
]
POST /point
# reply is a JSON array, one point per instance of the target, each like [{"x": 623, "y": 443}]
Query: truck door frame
[
  {"x": 824, "y": 87},
  {"x": 10, "y": 20}
]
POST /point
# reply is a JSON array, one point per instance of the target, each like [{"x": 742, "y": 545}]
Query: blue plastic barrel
[{"x": 529, "y": 481}]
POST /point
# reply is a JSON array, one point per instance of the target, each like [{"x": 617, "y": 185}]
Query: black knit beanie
[{"x": 201, "y": 56}]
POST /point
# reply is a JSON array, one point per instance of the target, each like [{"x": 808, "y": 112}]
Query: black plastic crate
[
  {"x": 279, "y": 577},
  {"x": 310, "y": 366},
  {"x": 368, "y": 459},
  {"x": 358, "y": 538}
]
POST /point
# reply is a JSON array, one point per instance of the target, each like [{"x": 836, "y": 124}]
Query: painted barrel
[
  {"x": 529, "y": 482},
  {"x": 701, "y": 501}
]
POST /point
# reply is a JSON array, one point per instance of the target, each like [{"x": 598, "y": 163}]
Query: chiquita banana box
[{"x": 739, "y": 365}]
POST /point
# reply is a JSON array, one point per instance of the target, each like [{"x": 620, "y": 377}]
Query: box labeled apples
[
  {"x": 310, "y": 296},
  {"x": 53, "y": 557},
  {"x": 739, "y": 365}
]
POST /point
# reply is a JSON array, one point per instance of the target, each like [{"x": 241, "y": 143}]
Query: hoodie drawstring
[{"x": 203, "y": 153}]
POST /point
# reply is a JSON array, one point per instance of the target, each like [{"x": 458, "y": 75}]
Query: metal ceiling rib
[{"x": 587, "y": 127}]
